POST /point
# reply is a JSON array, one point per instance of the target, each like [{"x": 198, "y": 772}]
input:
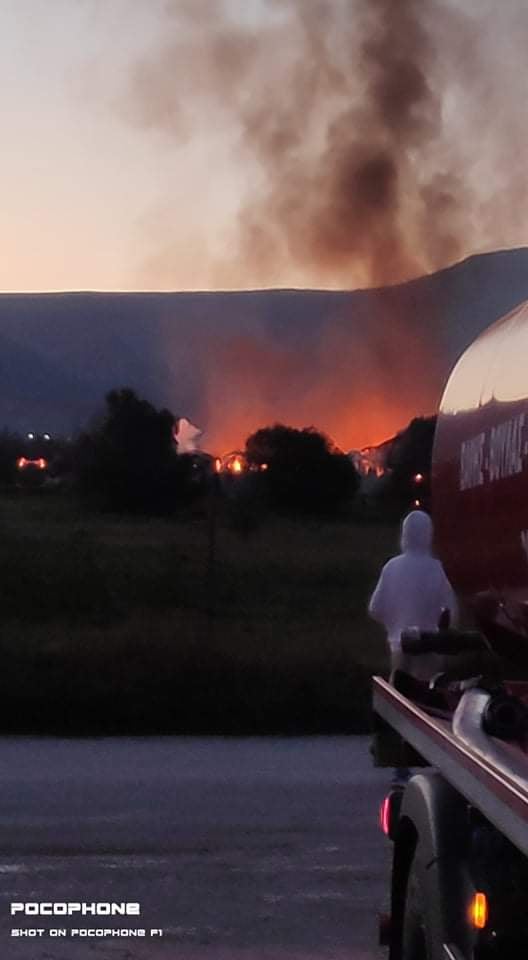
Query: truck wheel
[{"x": 414, "y": 938}]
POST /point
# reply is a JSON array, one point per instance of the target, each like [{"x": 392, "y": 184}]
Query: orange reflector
[
  {"x": 478, "y": 911},
  {"x": 384, "y": 817}
]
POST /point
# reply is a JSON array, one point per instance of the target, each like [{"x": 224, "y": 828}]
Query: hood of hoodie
[{"x": 417, "y": 533}]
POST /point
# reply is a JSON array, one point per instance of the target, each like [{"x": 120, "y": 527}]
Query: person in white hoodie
[{"x": 412, "y": 591}]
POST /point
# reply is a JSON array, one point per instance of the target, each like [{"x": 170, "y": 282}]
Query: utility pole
[{"x": 212, "y": 538}]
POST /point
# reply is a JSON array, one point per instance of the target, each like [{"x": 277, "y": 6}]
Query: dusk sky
[{"x": 131, "y": 159}]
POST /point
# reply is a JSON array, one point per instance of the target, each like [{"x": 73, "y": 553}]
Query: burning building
[
  {"x": 235, "y": 463},
  {"x": 372, "y": 461},
  {"x": 400, "y": 466}
]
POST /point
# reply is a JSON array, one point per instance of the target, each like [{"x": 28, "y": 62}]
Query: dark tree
[
  {"x": 410, "y": 457},
  {"x": 301, "y": 469},
  {"x": 128, "y": 460}
]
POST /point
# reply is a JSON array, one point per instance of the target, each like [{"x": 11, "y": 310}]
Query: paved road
[{"x": 250, "y": 849}]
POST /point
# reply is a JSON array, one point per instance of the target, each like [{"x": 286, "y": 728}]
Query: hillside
[{"x": 293, "y": 354}]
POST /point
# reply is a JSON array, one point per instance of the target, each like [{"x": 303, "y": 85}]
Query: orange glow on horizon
[
  {"x": 345, "y": 431},
  {"x": 256, "y": 383}
]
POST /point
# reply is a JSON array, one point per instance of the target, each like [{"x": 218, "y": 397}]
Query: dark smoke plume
[{"x": 339, "y": 105}]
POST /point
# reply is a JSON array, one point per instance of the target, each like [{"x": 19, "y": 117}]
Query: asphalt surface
[{"x": 237, "y": 849}]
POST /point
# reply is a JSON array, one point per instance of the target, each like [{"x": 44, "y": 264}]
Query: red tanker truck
[{"x": 459, "y": 827}]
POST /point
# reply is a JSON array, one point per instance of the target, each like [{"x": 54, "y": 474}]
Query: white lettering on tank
[
  {"x": 506, "y": 449},
  {"x": 524, "y": 542},
  {"x": 492, "y": 456},
  {"x": 471, "y": 457}
]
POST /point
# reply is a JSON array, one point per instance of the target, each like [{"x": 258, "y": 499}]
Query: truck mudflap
[{"x": 472, "y": 768}]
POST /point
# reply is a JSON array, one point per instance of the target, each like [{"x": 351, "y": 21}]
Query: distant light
[
  {"x": 31, "y": 436},
  {"x": 40, "y": 463},
  {"x": 218, "y": 465},
  {"x": 46, "y": 436},
  {"x": 263, "y": 466},
  {"x": 417, "y": 503},
  {"x": 418, "y": 477},
  {"x": 237, "y": 465}
]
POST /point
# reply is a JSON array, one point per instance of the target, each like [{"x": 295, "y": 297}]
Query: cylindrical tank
[{"x": 480, "y": 472}]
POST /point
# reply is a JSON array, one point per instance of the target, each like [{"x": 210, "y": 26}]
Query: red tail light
[
  {"x": 384, "y": 815},
  {"x": 390, "y": 811}
]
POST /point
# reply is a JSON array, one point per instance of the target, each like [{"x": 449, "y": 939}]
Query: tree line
[{"x": 127, "y": 461}]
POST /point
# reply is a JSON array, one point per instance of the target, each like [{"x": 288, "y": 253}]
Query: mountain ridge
[{"x": 60, "y": 352}]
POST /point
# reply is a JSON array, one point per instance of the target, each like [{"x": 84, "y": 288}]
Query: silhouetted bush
[
  {"x": 410, "y": 456},
  {"x": 301, "y": 470},
  {"x": 128, "y": 461}
]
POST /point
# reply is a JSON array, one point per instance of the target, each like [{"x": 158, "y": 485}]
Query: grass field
[{"x": 110, "y": 624}]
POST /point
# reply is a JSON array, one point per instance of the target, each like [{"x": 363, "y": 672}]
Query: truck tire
[{"x": 414, "y": 928}]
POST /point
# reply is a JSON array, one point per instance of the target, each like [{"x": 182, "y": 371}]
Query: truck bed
[{"x": 492, "y": 775}]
